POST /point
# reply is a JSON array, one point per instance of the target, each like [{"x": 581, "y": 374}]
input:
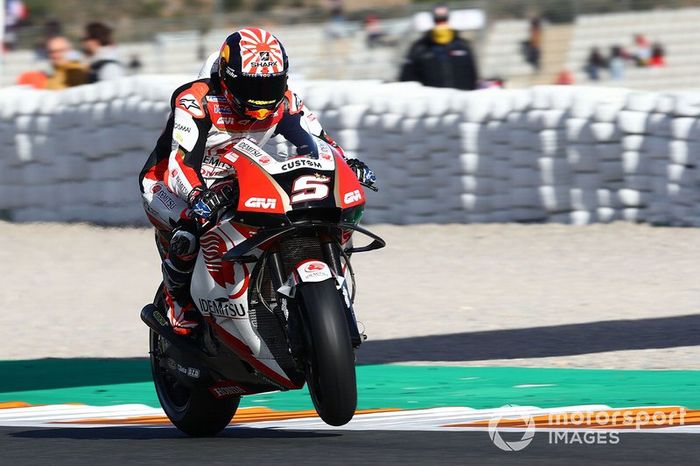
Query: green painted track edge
[{"x": 103, "y": 382}]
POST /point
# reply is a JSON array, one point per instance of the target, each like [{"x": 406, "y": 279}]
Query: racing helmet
[{"x": 253, "y": 68}]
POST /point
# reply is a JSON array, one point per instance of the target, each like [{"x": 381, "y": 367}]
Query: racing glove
[
  {"x": 362, "y": 171},
  {"x": 206, "y": 202}
]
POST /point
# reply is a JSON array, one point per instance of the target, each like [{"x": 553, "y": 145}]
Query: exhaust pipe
[{"x": 151, "y": 316}]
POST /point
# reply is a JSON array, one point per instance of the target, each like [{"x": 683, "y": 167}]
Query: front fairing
[{"x": 275, "y": 191}]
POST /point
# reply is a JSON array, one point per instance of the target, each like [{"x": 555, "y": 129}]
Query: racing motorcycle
[{"x": 274, "y": 284}]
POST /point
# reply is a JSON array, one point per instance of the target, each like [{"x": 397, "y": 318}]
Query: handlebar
[{"x": 239, "y": 253}]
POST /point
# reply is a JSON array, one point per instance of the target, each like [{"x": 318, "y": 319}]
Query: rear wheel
[
  {"x": 192, "y": 409},
  {"x": 330, "y": 365}
]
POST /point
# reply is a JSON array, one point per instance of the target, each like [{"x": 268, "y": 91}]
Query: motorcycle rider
[{"x": 245, "y": 96}]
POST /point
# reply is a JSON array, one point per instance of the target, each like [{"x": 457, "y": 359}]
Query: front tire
[
  {"x": 330, "y": 361},
  {"x": 194, "y": 410}
]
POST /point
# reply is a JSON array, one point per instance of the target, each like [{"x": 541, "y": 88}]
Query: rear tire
[
  {"x": 193, "y": 410},
  {"x": 330, "y": 368}
]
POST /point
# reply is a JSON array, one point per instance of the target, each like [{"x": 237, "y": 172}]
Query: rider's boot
[{"x": 177, "y": 275}]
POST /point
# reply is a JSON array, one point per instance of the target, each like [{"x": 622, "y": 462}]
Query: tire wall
[{"x": 552, "y": 153}]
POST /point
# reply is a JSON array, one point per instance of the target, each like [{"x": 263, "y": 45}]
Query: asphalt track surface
[{"x": 154, "y": 446}]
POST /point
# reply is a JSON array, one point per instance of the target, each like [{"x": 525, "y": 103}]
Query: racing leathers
[{"x": 176, "y": 179}]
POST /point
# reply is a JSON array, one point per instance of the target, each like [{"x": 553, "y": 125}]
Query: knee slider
[{"x": 183, "y": 244}]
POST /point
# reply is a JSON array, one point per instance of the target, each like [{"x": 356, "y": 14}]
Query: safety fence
[{"x": 547, "y": 154}]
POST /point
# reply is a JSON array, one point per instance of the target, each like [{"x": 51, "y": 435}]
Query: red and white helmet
[{"x": 253, "y": 70}]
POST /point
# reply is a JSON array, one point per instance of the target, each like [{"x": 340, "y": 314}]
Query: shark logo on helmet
[{"x": 261, "y": 53}]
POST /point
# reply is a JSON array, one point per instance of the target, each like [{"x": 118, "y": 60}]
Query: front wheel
[
  {"x": 193, "y": 410},
  {"x": 330, "y": 361}
]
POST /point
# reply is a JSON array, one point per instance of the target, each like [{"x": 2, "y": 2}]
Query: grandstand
[
  {"x": 677, "y": 30},
  {"x": 565, "y": 46},
  {"x": 502, "y": 55},
  {"x": 315, "y": 56},
  {"x": 568, "y": 46}
]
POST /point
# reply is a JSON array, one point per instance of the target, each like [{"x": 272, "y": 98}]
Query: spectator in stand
[
  {"x": 336, "y": 9},
  {"x": 492, "y": 83},
  {"x": 373, "y": 31},
  {"x": 35, "y": 79},
  {"x": 533, "y": 46},
  {"x": 135, "y": 64},
  {"x": 336, "y": 27},
  {"x": 66, "y": 71},
  {"x": 15, "y": 13},
  {"x": 596, "y": 62},
  {"x": 658, "y": 56},
  {"x": 642, "y": 50},
  {"x": 51, "y": 28},
  {"x": 564, "y": 78},
  {"x": 616, "y": 63},
  {"x": 103, "y": 59},
  {"x": 441, "y": 58}
]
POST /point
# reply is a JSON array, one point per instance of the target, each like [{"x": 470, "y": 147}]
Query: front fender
[
  {"x": 314, "y": 271},
  {"x": 307, "y": 271}
]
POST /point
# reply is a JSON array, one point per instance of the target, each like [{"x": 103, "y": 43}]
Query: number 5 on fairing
[{"x": 310, "y": 188}]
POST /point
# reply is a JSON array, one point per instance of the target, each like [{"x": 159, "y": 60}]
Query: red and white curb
[{"x": 585, "y": 417}]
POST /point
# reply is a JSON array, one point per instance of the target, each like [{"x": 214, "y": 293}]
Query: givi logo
[
  {"x": 261, "y": 203},
  {"x": 352, "y": 196}
]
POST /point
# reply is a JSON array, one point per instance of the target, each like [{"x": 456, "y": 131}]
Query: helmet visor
[{"x": 258, "y": 92}]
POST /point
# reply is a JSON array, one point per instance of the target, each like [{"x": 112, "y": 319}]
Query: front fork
[{"x": 331, "y": 255}]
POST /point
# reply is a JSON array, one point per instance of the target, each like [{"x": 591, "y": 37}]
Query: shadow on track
[
  {"x": 162, "y": 433},
  {"x": 538, "y": 342}
]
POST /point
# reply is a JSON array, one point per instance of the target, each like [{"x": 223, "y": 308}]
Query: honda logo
[{"x": 315, "y": 266}]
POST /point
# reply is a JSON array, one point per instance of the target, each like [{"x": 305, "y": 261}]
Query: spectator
[
  {"x": 373, "y": 31},
  {"x": 596, "y": 62},
  {"x": 99, "y": 48},
  {"x": 642, "y": 50},
  {"x": 336, "y": 10},
  {"x": 658, "y": 56},
  {"x": 492, "y": 83},
  {"x": 533, "y": 45},
  {"x": 66, "y": 72},
  {"x": 336, "y": 27},
  {"x": 52, "y": 28},
  {"x": 441, "y": 58},
  {"x": 564, "y": 78},
  {"x": 15, "y": 13},
  {"x": 35, "y": 79},
  {"x": 135, "y": 64},
  {"x": 616, "y": 64}
]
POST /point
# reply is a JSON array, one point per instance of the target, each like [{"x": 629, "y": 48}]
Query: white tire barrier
[{"x": 551, "y": 153}]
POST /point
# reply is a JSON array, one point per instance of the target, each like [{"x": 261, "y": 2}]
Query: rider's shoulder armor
[{"x": 191, "y": 98}]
